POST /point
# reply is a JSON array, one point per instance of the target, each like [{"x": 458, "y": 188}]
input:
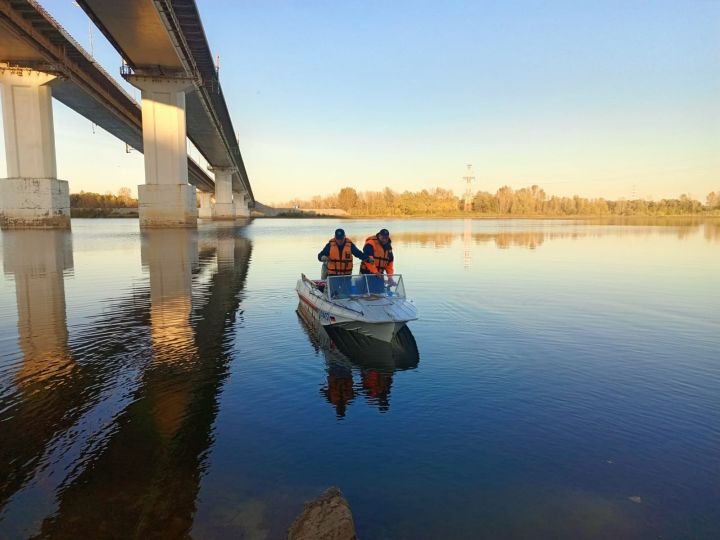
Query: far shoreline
[
  {"x": 100, "y": 215},
  {"x": 494, "y": 217}
]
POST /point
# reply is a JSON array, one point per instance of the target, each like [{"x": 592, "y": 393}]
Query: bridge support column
[
  {"x": 224, "y": 208},
  {"x": 206, "y": 206},
  {"x": 166, "y": 199},
  {"x": 241, "y": 205},
  {"x": 31, "y": 196}
]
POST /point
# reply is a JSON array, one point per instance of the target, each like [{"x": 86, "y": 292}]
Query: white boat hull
[
  {"x": 381, "y": 331},
  {"x": 376, "y": 316}
]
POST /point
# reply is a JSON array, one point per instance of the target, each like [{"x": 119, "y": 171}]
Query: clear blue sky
[{"x": 598, "y": 98}]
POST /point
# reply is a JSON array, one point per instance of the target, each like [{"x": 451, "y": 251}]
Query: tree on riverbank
[
  {"x": 528, "y": 201},
  {"x": 86, "y": 199},
  {"x": 713, "y": 200}
]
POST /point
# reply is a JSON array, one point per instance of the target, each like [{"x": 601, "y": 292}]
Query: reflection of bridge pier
[
  {"x": 146, "y": 475},
  {"x": 44, "y": 383},
  {"x": 226, "y": 252},
  {"x": 37, "y": 260},
  {"x": 170, "y": 255}
]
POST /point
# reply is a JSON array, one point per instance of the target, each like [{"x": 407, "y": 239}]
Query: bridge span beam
[
  {"x": 166, "y": 199},
  {"x": 31, "y": 196}
]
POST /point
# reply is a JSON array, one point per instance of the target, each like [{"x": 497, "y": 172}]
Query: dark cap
[
  {"x": 384, "y": 232},
  {"x": 339, "y": 234}
]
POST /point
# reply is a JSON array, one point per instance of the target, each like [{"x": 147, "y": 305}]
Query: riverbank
[
  {"x": 334, "y": 213},
  {"x": 104, "y": 213},
  {"x": 605, "y": 218}
]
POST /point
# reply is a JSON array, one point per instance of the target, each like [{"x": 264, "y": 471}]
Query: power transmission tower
[{"x": 469, "y": 179}]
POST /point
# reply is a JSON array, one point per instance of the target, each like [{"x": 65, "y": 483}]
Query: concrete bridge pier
[
  {"x": 31, "y": 196},
  {"x": 240, "y": 201},
  {"x": 206, "y": 210},
  {"x": 224, "y": 208},
  {"x": 166, "y": 199}
]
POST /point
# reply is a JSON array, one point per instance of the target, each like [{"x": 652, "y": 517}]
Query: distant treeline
[
  {"x": 84, "y": 199},
  {"x": 529, "y": 201}
]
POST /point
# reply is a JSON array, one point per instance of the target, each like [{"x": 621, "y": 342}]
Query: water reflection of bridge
[{"x": 151, "y": 368}]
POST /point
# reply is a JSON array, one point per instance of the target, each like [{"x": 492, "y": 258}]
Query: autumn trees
[
  {"x": 713, "y": 200},
  {"x": 84, "y": 199},
  {"x": 527, "y": 201}
]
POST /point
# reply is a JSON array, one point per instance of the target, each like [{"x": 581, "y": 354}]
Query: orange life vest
[
  {"x": 382, "y": 258},
  {"x": 340, "y": 263}
]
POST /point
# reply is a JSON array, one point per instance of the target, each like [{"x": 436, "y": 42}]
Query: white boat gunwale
[{"x": 350, "y": 304}]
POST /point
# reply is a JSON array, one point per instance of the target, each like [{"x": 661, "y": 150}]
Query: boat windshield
[{"x": 365, "y": 286}]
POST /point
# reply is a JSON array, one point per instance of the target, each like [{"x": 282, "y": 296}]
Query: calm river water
[{"x": 563, "y": 382}]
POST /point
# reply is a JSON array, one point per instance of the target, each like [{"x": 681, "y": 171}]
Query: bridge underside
[
  {"x": 31, "y": 39},
  {"x": 165, "y": 39}
]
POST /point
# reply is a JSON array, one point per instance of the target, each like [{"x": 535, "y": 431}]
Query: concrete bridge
[{"x": 168, "y": 58}]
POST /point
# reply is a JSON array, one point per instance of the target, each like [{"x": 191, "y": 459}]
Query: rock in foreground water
[{"x": 326, "y": 518}]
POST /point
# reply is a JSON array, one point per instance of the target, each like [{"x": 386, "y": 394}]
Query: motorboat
[{"x": 369, "y": 304}]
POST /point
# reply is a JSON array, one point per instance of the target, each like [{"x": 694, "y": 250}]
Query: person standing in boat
[
  {"x": 378, "y": 250},
  {"x": 338, "y": 254}
]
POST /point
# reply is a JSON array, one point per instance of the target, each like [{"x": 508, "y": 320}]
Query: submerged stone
[{"x": 326, "y": 518}]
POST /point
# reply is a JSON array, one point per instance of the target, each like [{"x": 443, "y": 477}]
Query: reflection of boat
[
  {"x": 374, "y": 306},
  {"x": 349, "y": 353},
  {"x": 400, "y": 353}
]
